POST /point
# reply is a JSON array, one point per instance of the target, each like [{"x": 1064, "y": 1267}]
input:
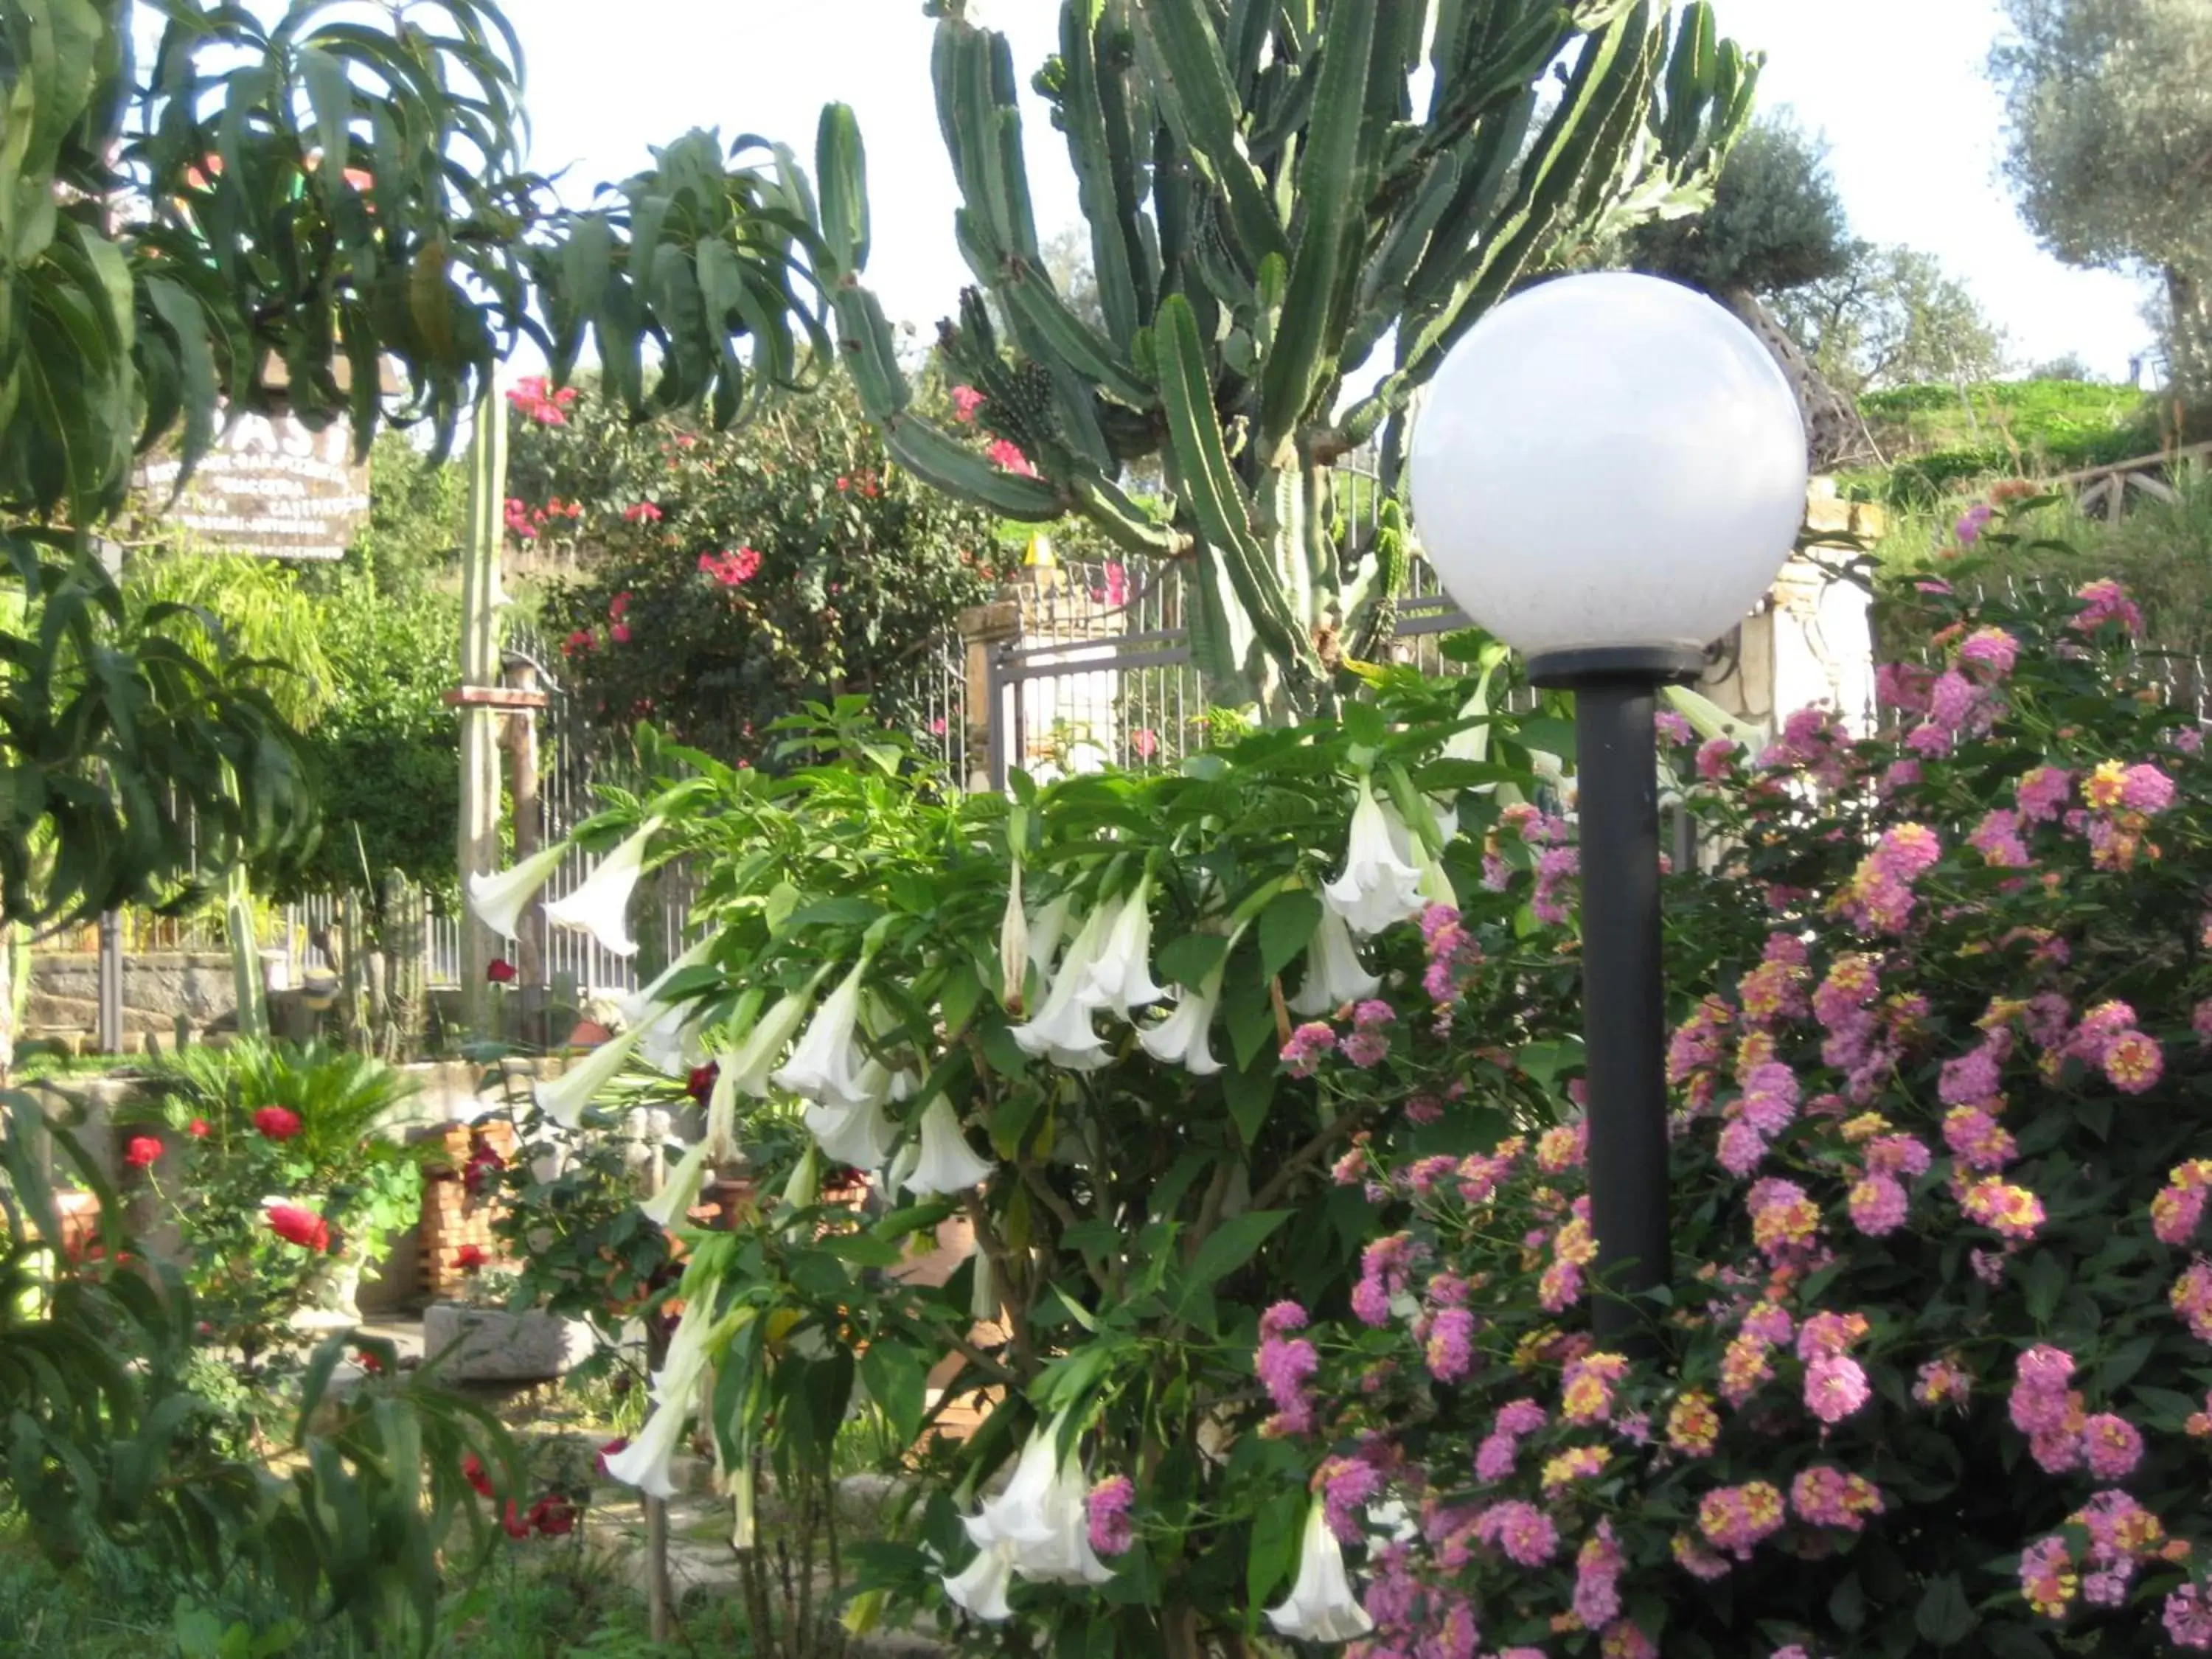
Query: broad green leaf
[
  {"x": 1232, "y": 1244},
  {"x": 896, "y": 1379},
  {"x": 1944, "y": 1616},
  {"x": 1189, "y": 959},
  {"x": 1286, "y": 927}
]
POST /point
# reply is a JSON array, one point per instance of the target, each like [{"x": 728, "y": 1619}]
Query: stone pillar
[
  {"x": 478, "y": 848},
  {"x": 985, "y": 629}
]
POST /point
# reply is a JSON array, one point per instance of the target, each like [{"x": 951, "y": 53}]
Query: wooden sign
[{"x": 270, "y": 487}]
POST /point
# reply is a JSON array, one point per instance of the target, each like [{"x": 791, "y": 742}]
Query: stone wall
[{"x": 157, "y": 987}]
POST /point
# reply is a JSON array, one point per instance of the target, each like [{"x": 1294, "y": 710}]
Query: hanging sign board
[{"x": 269, "y": 486}]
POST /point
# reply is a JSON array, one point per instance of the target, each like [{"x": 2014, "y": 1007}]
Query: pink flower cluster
[
  {"x": 2176, "y": 1211},
  {"x": 2107, "y": 1037},
  {"x": 536, "y": 399},
  {"x": 1737, "y": 1519},
  {"x": 1285, "y": 1364},
  {"x": 1106, "y": 1512},
  {"x": 1494, "y": 1459},
  {"x": 1452, "y": 954},
  {"x": 1384, "y": 1269},
  {"x": 1367, "y": 1044},
  {"x": 2105, "y": 601},
  {"x": 1880, "y": 897},
  {"x": 731, "y": 569},
  {"x": 1824, "y": 1496},
  {"x": 1310, "y": 1044}
]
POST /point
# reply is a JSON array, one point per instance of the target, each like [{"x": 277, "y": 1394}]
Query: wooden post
[
  {"x": 479, "y": 848},
  {"x": 521, "y": 675}
]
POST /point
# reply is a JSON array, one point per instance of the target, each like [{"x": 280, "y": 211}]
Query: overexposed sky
[{"x": 1896, "y": 85}]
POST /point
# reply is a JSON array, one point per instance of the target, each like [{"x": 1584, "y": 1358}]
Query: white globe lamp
[{"x": 1607, "y": 473}]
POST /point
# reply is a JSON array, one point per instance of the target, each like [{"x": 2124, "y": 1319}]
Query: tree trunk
[
  {"x": 2188, "y": 350},
  {"x": 1832, "y": 432}
]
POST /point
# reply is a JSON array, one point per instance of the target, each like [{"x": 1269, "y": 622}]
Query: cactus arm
[
  {"x": 1249, "y": 21},
  {"x": 1200, "y": 106},
  {"x": 1044, "y": 317},
  {"x": 1331, "y": 187},
  {"x": 933, "y": 454},
  {"x": 843, "y": 162},
  {"x": 870, "y": 351},
  {"x": 1691, "y": 76},
  {"x": 1373, "y": 602},
  {"x": 1216, "y": 497},
  {"x": 1382, "y": 288},
  {"x": 1122, "y": 521},
  {"x": 1097, "y": 149}
]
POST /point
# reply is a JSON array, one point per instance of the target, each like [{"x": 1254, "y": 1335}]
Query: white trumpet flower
[
  {"x": 600, "y": 907},
  {"x": 1013, "y": 944},
  {"x": 499, "y": 901},
  {"x": 720, "y": 1140},
  {"x": 679, "y": 1192},
  {"x": 1377, "y": 887},
  {"x": 1122, "y": 977},
  {"x": 946, "y": 1165},
  {"x": 860, "y": 1136},
  {"x": 1434, "y": 886},
  {"x": 1042, "y": 1518},
  {"x": 564, "y": 1098},
  {"x": 826, "y": 1066},
  {"x": 1321, "y": 1607},
  {"x": 639, "y": 1007},
  {"x": 644, "y": 1463},
  {"x": 1181, "y": 1038},
  {"x": 1333, "y": 974},
  {"x": 669, "y": 1041},
  {"x": 1062, "y": 1030},
  {"x": 1047, "y": 933},
  {"x": 752, "y": 1069},
  {"x": 980, "y": 1590}
]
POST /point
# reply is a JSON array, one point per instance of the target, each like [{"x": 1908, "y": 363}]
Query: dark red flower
[
  {"x": 554, "y": 1516},
  {"x": 277, "y": 1122},
  {"x": 500, "y": 971},
  {"x": 701, "y": 1083},
  {"x": 469, "y": 1258},
  {"x": 200, "y": 1128},
  {"x": 619, "y": 1444},
  {"x": 516, "y": 1522},
  {"x": 481, "y": 1173},
  {"x": 473, "y": 1471},
  {"x": 142, "y": 1151},
  {"x": 297, "y": 1226}
]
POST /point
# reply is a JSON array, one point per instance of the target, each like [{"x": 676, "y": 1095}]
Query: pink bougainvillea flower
[
  {"x": 1005, "y": 453},
  {"x": 642, "y": 513},
  {"x": 966, "y": 400}
]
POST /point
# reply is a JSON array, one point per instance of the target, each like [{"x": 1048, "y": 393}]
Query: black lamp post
[{"x": 1608, "y": 472}]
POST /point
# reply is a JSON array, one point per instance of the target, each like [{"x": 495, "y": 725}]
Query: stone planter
[
  {"x": 332, "y": 1289},
  {"x": 491, "y": 1344}
]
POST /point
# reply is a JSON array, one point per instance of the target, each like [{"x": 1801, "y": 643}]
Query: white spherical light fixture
[{"x": 1607, "y": 474}]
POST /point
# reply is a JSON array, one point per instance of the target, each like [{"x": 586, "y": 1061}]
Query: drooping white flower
[
  {"x": 1049, "y": 932},
  {"x": 669, "y": 1041},
  {"x": 946, "y": 1165},
  {"x": 1121, "y": 976},
  {"x": 862, "y": 1135},
  {"x": 826, "y": 1066},
  {"x": 1377, "y": 887},
  {"x": 640, "y": 1007},
  {"x": 1042, "y": 1517},
  {"x": 564, "y": 1098},
  {"x": 1181, "y": 1039},
  {"x": 1333, "y": 974},
  {"x": 679, "y": 1192},
  {"x": 1013, "y": 946},
  {"x": 644, "y": 1463},
  {"x": 600, "y": 907},
  {"x": 1061, "y": 1031},
  {"x": 752, "y": 1069},
  {"x": 499, "y": 901},
  {"x": 720, "y": 1140},
  {"x": 1321, "y": 1607},
  {"x": 980, "y": 1589},
  {"x": 1434, "y": 885}
]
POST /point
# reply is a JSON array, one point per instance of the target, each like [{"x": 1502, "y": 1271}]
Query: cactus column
[{"x": 1271, "y": 216}]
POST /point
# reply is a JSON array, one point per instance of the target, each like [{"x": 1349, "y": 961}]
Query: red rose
[
  {"x": 500, "y": 971},
  {"x": 277, "y": 1122},
  {"x": 701, "y": 1083},
  {"x": 469, "y": 1258},
  {"x": 371, "y": 1363},
  {"x": 297, "y": 1226},
  {"x": 516, "y": 1522},
  {"x": 480, "y": 1173},
  {"x": 142, "y": 1151},
  {"x": 554, "y": 1516},
  {"x": 200, "y": 1128},
  {"x": 619, "y": 1444},
  {"x": 473, "y": 1471}
]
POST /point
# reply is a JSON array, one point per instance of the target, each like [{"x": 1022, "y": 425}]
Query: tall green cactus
[{"x": 1269, "y": 217}]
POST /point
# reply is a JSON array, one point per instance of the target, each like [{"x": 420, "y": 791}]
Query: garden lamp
[{"x": 1608, "y": 473}]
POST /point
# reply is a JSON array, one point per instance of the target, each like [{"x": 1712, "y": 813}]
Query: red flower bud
[{"x": 277, "y": 1122}]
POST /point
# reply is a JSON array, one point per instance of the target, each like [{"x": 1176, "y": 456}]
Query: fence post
[
  {"x": 520, "y": 674},
  {"x": 480, "y": 599},
  {"x": 985, "y": 629}
]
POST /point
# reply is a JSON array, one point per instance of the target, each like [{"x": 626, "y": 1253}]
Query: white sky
[{"x": 1896, "y": 85}]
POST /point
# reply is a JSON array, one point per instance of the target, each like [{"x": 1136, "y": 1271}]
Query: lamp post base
[
  {"x": 1623, "y": 1010},
  {"x": 1647, "y": 666}
]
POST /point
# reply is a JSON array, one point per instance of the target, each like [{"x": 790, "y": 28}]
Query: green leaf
[
  {"x": 1249, "y": 1092},
  {"x": 1232, "y": 1244},
  {"x": 1364, "y": 724},
  {"x": 1944, "y": 1616},
  {"x": 1189, "y": 959},
  {"x": 1286, "y": 927},
  {"x": 2046, "y": 1284},
  {"x": 896, "y": 1379},
  {"x": 1275, "y": 1530}
]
